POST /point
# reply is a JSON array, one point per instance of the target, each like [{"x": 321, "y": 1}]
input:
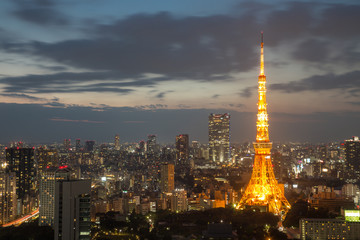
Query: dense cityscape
[
  {"x": 184, "y": 190},
  {"x": 199, "y": 143},
  {"x": 157, "y": 191}
]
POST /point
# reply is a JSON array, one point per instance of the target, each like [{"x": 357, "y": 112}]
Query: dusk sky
[{"x": 91, "y": 69}]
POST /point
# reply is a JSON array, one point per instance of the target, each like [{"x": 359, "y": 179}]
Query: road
[{"x": 21, "y": 220}]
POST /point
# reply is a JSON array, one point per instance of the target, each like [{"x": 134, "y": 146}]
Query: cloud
[
  {"x": 27, "y": 3},
  {"x": 53, "y": 68},
  {"x": 23, "y": 96},
  {"x": 152, "y": 106},
  {"x": 136, "y": 122},
  {"x": 338, "y": 21},
  {"x": 322, "y": 29},
  {"x": 199, "y": 48},
  {"x": 74, "y": 120},
  {"x": 183, "y": 106},
  {"x": 67, "y": 82},
  {"x": 42, "y": 16},
  {"x": 161, "y": 95},
  {"x": 348, "y": 81},
  {"x": 354, "y": 103},
  {"x": 313, "y": 50},
  {"x": 188, "y": 47},
  {"x": 240, "y": 105},
  {"x": 247, "y": 92},
  {"x": 294, "y": 20},
  {"x": 40, "y": 12}
]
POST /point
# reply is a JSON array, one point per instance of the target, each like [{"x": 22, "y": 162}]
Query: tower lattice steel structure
[{"x": 263, "y": 190}]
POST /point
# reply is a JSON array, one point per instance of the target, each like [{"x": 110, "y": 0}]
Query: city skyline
[{"x": 94, "y": 70}]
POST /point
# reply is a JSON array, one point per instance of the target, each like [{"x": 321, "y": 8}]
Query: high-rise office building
[
  {"x": 179, "y": 202},
  {"x": 67, "y": 144},
  {"x": 72, "y": 210},
  {"x": 21, "y": 161},
  {"x": 195, "y": 149},
  {"x": 89, "y": 146},
  {"x": 45, "y": 158},
  {"x": 352, "y": 156},
  {"x": 8, "y": 197},
  {"x": 219, "y": 137},
  {"x": 47, "y": 193},
  {"x": 77, "y": 145},
  {"x": 167, "y": 178},
  {"x": 142, "y": 147},
  {"x": 151, "y": 145},
  {"x": 182, "y": 148},
  {"x": 117, "y": 142}
]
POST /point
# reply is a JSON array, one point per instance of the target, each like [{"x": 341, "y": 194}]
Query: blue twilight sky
[{"x": 92, "y": 68}]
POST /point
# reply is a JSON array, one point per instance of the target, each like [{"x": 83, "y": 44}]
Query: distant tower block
[
  {"x": 219, "y": 137},
  {"x": 78, "y": 145},
  {"x": 182, "y": 148},
  {"x": 167, "y": 182},
  {"x": 263, "y": 190},
  {"x": 117, "y": 142}
]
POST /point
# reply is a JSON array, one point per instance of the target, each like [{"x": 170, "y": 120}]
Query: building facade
[
  {"x": 89, "y": 145},
  {"x": 21, "y": 161},
  {"x": 151, "y": 145},
  {"x": 77, "y": 144},
  {"x": 45, "y": 158},
  {"x": 8, "y": 197},
  {"x": 219, "y": 137},
  {"x": 167, "y": 182},
  {"x": 117, "y": 142},
  {"x": 67, "y": 144},
  {"x": 352, "y": 156},
  {"x": 182, "y": 148},
  {"x": 179, "y": 202},
  {"x": 47, "y": 193},
  {"x": 319, "y": 229},
  {"x": 72, "y": 210}
]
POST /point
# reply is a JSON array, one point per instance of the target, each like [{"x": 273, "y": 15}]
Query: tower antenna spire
[{"x": 262, "y": 71}]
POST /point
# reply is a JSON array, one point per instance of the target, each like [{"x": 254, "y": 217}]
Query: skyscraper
[
  {"x": 179, "y": 202},
  {"x": 182, "y": 148},
  {"x": 142, "y": 147},
  {"x": 195, "y": 149},
  {"x": 219, "y": 137},
  {"x": 77, "y": 145},
  {"x": 263, "y": 190},
  {"x": 151, "y": 144},
  {"x": 89, "y": 145},
  {"x": 352, "y": 157},
  {"x": 167, "y": 178},
  {"x": 46, "y": 158},
  {"x": 117, "y": 142},
  {"x": 47, "y": 193},
  {"x": 72, "y": 210},
  {"x": 67, "y": 144},
  {"x": 8, "y": 197},
  {"x": 21, "y": 162}
]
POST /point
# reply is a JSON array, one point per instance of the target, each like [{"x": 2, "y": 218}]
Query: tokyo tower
[{"x": 263, "y": 190}]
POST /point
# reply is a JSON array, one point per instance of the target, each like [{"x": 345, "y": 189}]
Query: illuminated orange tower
[{"x": 263, "y": 190}]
